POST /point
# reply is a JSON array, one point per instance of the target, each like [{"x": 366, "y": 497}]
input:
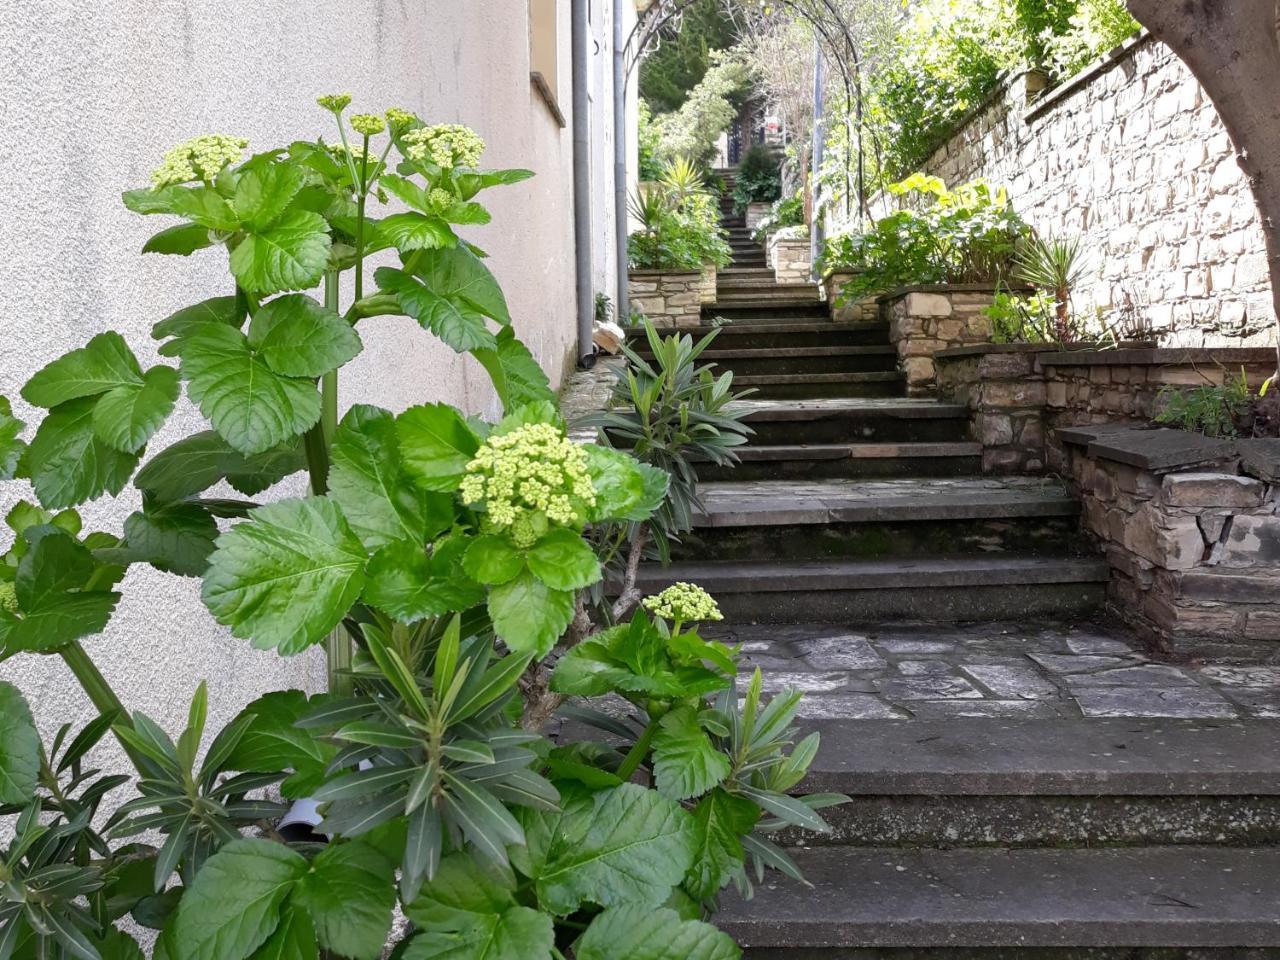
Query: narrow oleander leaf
[
  {"x": 416, "y": 231},
  {"x": 368, "y": 480},
  {"x": 528, "y": 615},
  {"x": 563, "y": 560},
  {"x": 182, "y": 240},
  {"x": 11, "y": 448},
  {"x": 19, "y": 747},
  {"x": 349, "y": 893},
  {"x": 249, "y": 404},
  {"x": 299, "y": 337},
  {"x": 410, "y": 583},
  {"x": 234, "y": 904},
  {"x": 176, "y": 537},
  {"x": 636, "y": 932},
  {"x": 721, "y": 820},
  {"x": 126, "y": 417},
  {"x": 66, "y": 461},
  {"x": 287, "y": 576},
  {"x": 491, "y": 559},
  {"x": 436, "y": 445},
  {"x": 197, "y": 462},
  {"x": 632, "y": 846},
  {"x": 789, "y": 809},
  {"x": 291, "y": 254},
  {"x": 104, "y": 363},
  {"x": 685, "y": 761},
  {"x": 453, "y": 319}
]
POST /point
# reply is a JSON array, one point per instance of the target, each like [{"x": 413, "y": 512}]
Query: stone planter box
[
  {"x": 926, "y": 319},
  {"x": 1189, "y": 525},
  {"x": 668, "y": 298},
  {"x": 1005, "y": 395},
  {"x": 707, "y": 291},
  {"x": 864, "y": 309},
  {"x": 756, "y": 212},
  {"x": 790, "y": 257}
]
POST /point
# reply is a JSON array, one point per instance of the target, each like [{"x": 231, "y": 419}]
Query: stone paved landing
[{"x": 1000, "y": 670}]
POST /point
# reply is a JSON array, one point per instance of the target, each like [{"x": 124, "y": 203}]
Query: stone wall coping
[
  {"x": 1158, "y": 450},
  {"x": 1260, "y": 458},
  {"x": 898, "y": 292},
  {"x": 1158, "y": 356},
  {"x": 646, "y": 272},
  {"x": 980, "y": 349},
  {"x": 1107, "y": 61}
]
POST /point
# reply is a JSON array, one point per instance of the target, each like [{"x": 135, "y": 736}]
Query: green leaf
[
  {"x": 563, "y": 560},
  {"x": 247, "y": 402},
  {"x": 285, "y": 577},
  {"x": 126, "y": 417},
  {"x": 294, "y": 939},
  {"x": 11, "y": 447},
  {"x": 350, "y": 894},
  {"x": 630, "y": 847},
  {"x": 413, "y": 195},
  {"x": 289, "y": 255},
  {"x": 298, "y": 337},
  {"x": 466, "y": 213},
  {"x": 721, "y": 820},
  {"x": 626, "y": 489},
  {"x": 177, "y": 537},
  {"x": 19, "y": 747},
  {"x": 66, "y": 461},
  {"x": 369, "y": 482},
  {"x": 273, "y": 742},
  {"x": 409, "y": 584},
  {"x": 528, "y": 615},
  {"x": 453, "y": 320},
  {"x": 197, "y": 462},
  {"x": 263, "y": 192},
  {"x": 182, "y": 239},
  {"x": 492, "y": 559},
  {"x": 104, "y": 363},
  {"x": 634, "y": 932},
  {"x": 516, "y": 375},
  {"x": 436, "y": 445},
  {"x": 148, "y": 201},
  {"x": 233, "y": 905},
  {"x": 685, "y": 761},
  {"x": 469, "y": 184},
  {"x": 414, "y": 231},
  {"x": 205, "y": 206},
  {"x": 457, "y": 274},
  {"x": 519, "y": 933},
  {"x": 189, "y": 320}
]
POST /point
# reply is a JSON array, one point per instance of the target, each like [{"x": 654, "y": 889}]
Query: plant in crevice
[
  {"x": 1213, "y": 409},
  {"x": 1056, "y": 266}
]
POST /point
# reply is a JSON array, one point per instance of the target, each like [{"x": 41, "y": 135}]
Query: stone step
[
  {"x": 857, "y": 419},
  {"x": 846, "y": 519},
  {"x": 958, "y": 587},
  {"x": 766, "y": 296},
  {"x": 803, "y": 386},
  {"x": 860, "y": 460},
  {"x": 774, "y": 312},
  {"x": 797, "y": 360},
  {"x": 954, "y": 902},
  {"x": 758, "y": 335}
]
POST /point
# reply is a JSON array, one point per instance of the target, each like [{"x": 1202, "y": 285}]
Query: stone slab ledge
[
  {"x": 1156, "y": 450},
  {"x": 1158, "y": 356}
]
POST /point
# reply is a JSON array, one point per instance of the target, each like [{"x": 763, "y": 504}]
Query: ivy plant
[{"x": 441, "y": 560}]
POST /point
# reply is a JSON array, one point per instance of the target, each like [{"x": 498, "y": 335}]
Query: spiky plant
[{"x": 1056, "y": 265}]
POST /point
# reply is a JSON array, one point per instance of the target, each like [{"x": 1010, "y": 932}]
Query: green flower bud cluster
[
  {"x": 200, "y": 158},
  {"x": 8, "y": 597},
  {"x": 447, "y": 145},
  {"x": 400, "y": 120},
  {"x": 441, "y": 199},
  {"x": 685, "y": 602},
  {"x": 528, "y": 479},
  {"x": 367, "y": 124},
  {"x": 336, "y": 102}
]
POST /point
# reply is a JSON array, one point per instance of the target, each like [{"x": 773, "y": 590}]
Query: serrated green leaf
[
  {"x": 298, "y": 337},
  {"x": 516, "y": 375},
  {"x": 410, "y": 584},
  {"x": 102, "y": 364},
  {"x": 519, "y": 933},
  {"x": 436, "y": 444},
  {"x": 458, "y": 274},
  {"x": 294, "y": 939},
  {"x": 181, "y": 240},
  {"x": 273, "y": 742},
  {"x": 66, "y": 461},
  {"x": 492, "y": 559},
  {"x": 148, "y": 201},
  {"x": 233, "y": 905},
  {"x": 369, "y": 482},
  {"x": 19, "y": 747},
  {"x": 563, "y": 560},
  {"x": 469, "y": 184},
  {"x": 188, "y": 320},
  {"x": 11, "y": 447},
  {"x": 350, "y": 894},
  {"x": 631, "y": 847},
  {"x": 685, "y": 761},
  {"x": 633, "y": 932},
  {"x": 285, "y": 577},
  {"x": 177, "y": 537},
  {"x": 126, "y": 417},
  {"x": 416, "y": 231},
  {"x": 291, "y": 254},
  {"x": 528, "y": 615},
  {"x": 625, "y": 487},
  {"x": 197, "y": 462},
  {"x": 263, "y": 192},
  {"x": 249, "y": 404},
  {"x": 721, "y": 821},
  {"x": 453, "y": 320},
  {"x": 205, "y": 206}
]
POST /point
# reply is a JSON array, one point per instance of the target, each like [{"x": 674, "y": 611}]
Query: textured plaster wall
[
  {"x": 94, "y": 91},
  {"x": 1134, "y": 160}
]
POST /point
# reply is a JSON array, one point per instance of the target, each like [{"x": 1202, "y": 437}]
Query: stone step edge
[
  {"x": 759, "y": 327},
  {"x": 1107, "y": 897},
  {"x": 861, "y": 376},
  {"x": 754, "y": 453},
  {"x": 767, "y": 353},
  {"x": 784, "y": 410}
]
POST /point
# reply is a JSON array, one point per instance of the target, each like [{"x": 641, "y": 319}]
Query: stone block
[
  {"x": 997, "y": 430},
  {"x": 1013, "y": 394},
  {"x": 1174, "y": 543},
  {"x": 928, "y": 304},
  {"x": 1212, "y": 490},
  {"x": 1253, "y": 541},
  {"x": 1262, "y": 625}
]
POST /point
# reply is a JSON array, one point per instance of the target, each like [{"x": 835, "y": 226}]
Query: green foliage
[
  {"x": 785, "y": 212},
  {"x": 966, "y": 235},
  {"x": 692, "y": 130},
  {"x": 759, "y": 177},
  {"x": 1094, "y": 27},
  {"x": 1216, "y": 410},
  {"x": 680, "y": 225},
  {"x": 675, "y": 65}
]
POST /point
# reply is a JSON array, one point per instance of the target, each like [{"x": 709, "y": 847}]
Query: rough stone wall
[
  {"x": 1006, "y": 396},
  {"x": 845, "y": 310},
  {"x": 755, "y": 213},
  {"x": 930, "y": 319},
  {"x": 1132, "y": 157},
  {"x": 669, "y": 299},
  {"x": 789, "y": 257}
]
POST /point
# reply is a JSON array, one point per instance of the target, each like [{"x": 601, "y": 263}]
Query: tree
[
  {"x": 678, "y": 62},
  {"x": 1233, "y": 48}
]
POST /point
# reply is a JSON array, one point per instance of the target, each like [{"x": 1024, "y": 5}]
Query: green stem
[
  {"x": 635, "y": 756},
  {"x": 319, "y": 440},
  {"x": 329, "y": 382},
  {"x": 102, "y": 697},
  {"x": 361, "y": 196}
]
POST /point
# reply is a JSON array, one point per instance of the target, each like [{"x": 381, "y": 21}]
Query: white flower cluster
[
  {"x": 447, "y": 145},
  {"x": 529, "y": 478},
  {"x": 200, "y": 158}
]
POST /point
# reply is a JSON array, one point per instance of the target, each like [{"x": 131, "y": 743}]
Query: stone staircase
[{"x": 1026, "y": 785}]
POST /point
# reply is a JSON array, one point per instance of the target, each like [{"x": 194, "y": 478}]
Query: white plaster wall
[
  {"x": 91, "y": 94},
  {"x": 1137, "y": 163}
]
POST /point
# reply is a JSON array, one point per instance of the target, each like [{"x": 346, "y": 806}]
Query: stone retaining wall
[
  {"x": 669, "y": 299},
  {"x": 790, "y": 257},
  {"x": 1131, "y": 156},
  {"x": 1191, "y": 529},
  {"x": 756, "y": 212},
  {"x": 925, "y": 319},
  {"x": 863, "y": 309}
]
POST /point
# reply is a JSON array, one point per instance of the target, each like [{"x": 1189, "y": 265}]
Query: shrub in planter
[
  {"x": 785, "y": 212},
  {"x": 439, "y": 559},
  {"x": 680, "y": 224},
  {"x": 759, "y": 177}
]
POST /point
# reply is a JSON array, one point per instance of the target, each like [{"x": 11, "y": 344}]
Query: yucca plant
[
  {"x": 1055, "y": 265},
  {"x": 683, "y": 178}
]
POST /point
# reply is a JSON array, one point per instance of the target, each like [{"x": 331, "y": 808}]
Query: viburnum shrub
[{"x": 443, "y": 562}]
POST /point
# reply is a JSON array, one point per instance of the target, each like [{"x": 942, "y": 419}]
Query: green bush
[
  {"x": 692, "y": 131},
  {"x": 680, "y": 223},
  {"x": 759, "y": 178},
  {"x": 785, "y": 212}
]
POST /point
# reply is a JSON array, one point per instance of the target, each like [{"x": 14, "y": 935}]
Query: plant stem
[
  {"x": 101, "y": 695},
  {"x": 635, "y": 756},
  {"x": 318, "y": 441}
]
